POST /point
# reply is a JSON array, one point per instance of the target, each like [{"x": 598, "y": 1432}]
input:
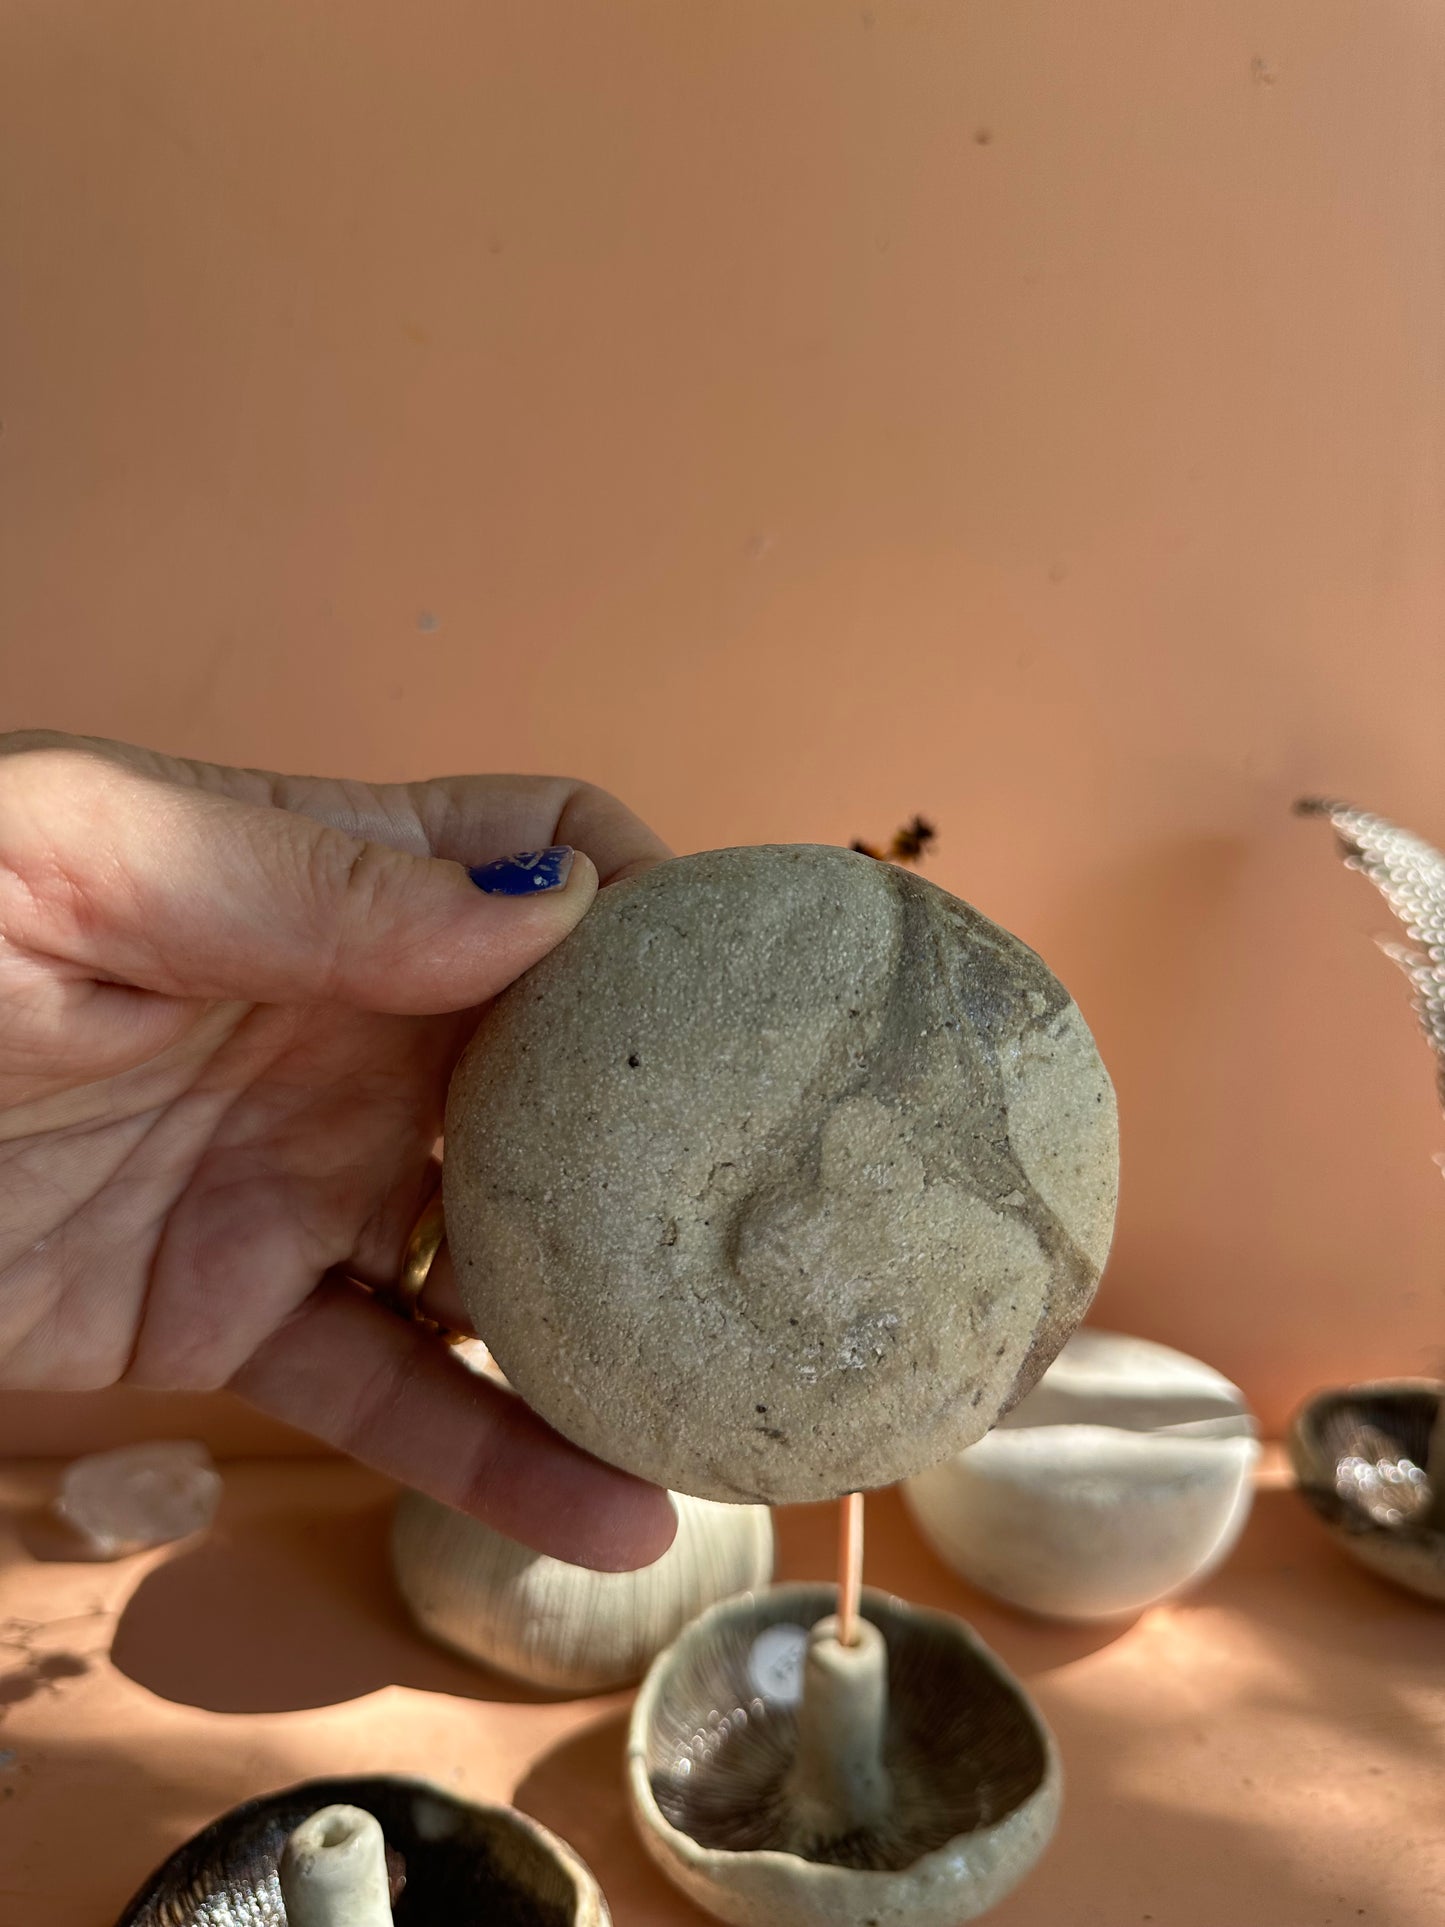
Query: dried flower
[
  {"x": 1410, "y": 875},
  {"x": 909, "y": 844}
]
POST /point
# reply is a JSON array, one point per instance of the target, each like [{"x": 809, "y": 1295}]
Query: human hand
[{"x": 230, "y": 1003}]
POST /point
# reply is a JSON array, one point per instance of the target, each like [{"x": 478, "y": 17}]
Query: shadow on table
[
  {"x": 293, "y": 1606},
  {"x": 579, "y": 1790},
  {"x": 96, "y": 1821},
  {"x": 1277, "y": 1825},
  {"x": 288, "y": 1609},
  {"x": 1119, "y": 1858},
  {"x": 1345, "y": 1640},
  {"x": 139, "y": 1814}
]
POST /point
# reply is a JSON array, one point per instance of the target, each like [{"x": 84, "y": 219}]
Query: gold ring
[
  {"x": 426, "y": 1239},
  {"x": 428, "y": 1235}
]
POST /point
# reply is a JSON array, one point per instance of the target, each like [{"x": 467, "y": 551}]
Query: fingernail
[{"x": 524, "y": 875}]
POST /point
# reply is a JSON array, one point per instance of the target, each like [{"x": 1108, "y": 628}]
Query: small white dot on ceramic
[{"x": 775, "y": 1663}]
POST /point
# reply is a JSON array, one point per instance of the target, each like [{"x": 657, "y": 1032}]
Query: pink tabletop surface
[{"x": 1268, "y": 1752}]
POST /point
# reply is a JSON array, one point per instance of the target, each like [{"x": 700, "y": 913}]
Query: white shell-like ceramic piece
[
  {"x": 562, "y": 1627},
  {"x": 972, "y": 1781},
  {"x": 1124, "y": 1475}
]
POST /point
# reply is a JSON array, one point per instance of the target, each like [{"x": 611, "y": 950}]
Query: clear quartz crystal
[{"x": 140, "y": 1495}]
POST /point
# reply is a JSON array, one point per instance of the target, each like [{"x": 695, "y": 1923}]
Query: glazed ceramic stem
[
  {"x": 850, "y": 1568},
  {"x": 838, "y": 1779},
  {"x": 333, "y": 1871}
]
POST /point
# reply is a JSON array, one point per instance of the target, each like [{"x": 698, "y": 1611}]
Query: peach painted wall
[{"x": 794, "y": 415}]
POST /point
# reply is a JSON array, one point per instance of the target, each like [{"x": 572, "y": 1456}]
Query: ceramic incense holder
[
  {"x": 782, "y": 1177},
  {"x": 450, "y": 1864},
  {"x": 1370, "y": 1461},
  {"x": 781, "y": 1779},
  {"x": 561, "y": 1627},
  {"x": 1125, "y": 1475}
]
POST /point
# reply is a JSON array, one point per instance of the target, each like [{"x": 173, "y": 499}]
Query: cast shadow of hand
[{"x": 292, "y": 1609}]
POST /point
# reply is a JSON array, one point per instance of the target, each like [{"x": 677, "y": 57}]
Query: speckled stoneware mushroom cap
[
  {"x": 463, "y": 1865},
  {"x": 974, "y": 1774},
  {"x": 1370, "y": 1460},
  {"x": 782, "y": 1177}
]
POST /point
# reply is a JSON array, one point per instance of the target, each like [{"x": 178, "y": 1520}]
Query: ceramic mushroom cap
[
  {"x": 1370, "y": 1460},
  {"x": 1125, "y": 1474},
  {"x": 757, "y": 1799},
  {"x": 559, "y": 1626},
  {"x": 467, "y": 1866},
  {"x": 780, "y": 1178}
]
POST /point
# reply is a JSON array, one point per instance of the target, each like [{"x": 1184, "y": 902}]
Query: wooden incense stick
[{"x": 850, "y": 1568}]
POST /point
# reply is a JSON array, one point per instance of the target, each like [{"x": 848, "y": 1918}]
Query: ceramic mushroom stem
[
  {"x": 838, "y": 1781},
  {"x": 333, "y": 1871}
]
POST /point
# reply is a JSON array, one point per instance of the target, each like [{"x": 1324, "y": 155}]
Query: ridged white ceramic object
[
  {"x": 1126, "y": 1474},
  {"x": 563, "y": 1627}
]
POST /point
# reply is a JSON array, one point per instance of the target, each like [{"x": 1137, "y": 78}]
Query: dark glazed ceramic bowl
[
  {"x": 1370, "y": 1459},
  {"x": 462, "y": 1865},
  {"x": 715, "y": 1734}
]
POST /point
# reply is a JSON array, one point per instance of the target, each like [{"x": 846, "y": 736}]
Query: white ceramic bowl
[{"x": 1126, "y": 1474}]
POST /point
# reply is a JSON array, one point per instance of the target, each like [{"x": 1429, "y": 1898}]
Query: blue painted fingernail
[{"x": 525, "y": 875}]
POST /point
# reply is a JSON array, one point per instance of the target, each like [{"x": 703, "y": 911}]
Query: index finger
[
  {"x": 476, "y": 818},
  {"x": 468, "y": 819}
]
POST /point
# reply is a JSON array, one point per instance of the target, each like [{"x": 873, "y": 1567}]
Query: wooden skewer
[{"x": 850, "y": 1568}]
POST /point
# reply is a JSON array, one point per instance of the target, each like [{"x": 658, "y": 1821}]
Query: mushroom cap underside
[
  {"x": 715, "y": 1733},
  {"x": 463, "y": 1864},
  {"x": 1369, "y": 1459}
]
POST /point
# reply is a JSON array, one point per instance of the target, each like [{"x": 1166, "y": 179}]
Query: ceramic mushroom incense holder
[
  {"x": 1370, "y": 1461},
  {"x": 780, "y": 1776},
  {"x": 560, "y": 1627},
  {"x": 367, "y": 1852},
  {"x": 782, "y": 1179}
]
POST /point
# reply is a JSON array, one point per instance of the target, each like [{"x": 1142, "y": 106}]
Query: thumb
[{"x": 133, "y": 879}]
